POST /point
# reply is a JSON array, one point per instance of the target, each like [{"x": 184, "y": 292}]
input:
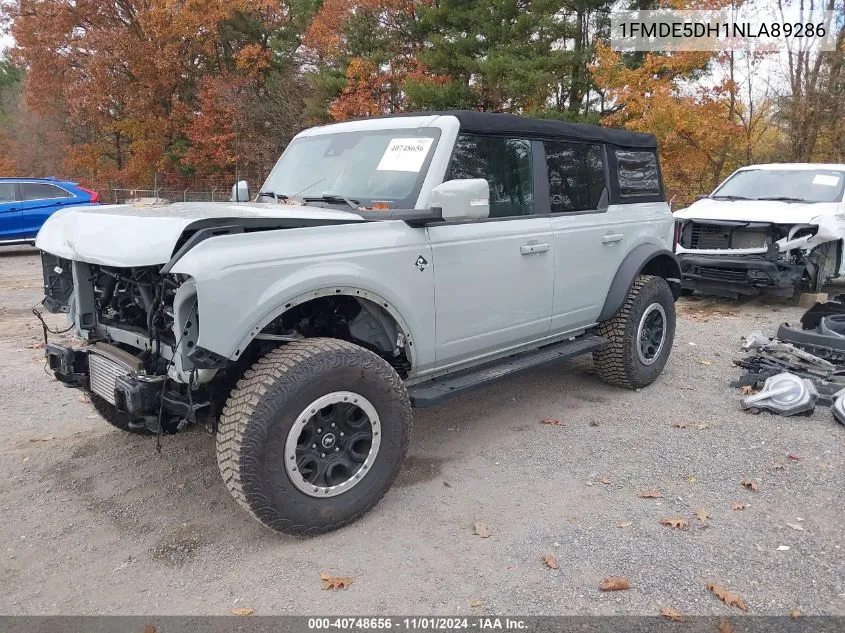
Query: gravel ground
[{"x": 94, "y": 521}]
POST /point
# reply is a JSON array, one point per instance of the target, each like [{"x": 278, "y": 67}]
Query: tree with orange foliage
[
  {"x": 131, "y": 77},
  {"x": 696, "y": 124}
]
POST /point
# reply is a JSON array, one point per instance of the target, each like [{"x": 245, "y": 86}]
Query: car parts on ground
[
  {"x": 800, "y": 367},
  {"x": 784, "y": 394}
]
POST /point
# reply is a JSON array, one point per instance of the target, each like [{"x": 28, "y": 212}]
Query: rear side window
[
  {"x": 576, "y": 175},
  {"x": 637, "y": 172},
  {"x": 42, "y": 191},
  {"x": 505, "y": 163},
  {"x": 7, "y": 192}
]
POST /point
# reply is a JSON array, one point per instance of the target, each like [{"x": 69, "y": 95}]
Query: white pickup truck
[{"x": 768, "y": 228}]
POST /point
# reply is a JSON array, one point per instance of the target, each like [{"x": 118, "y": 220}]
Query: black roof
[{"x": 499, "y": 123}]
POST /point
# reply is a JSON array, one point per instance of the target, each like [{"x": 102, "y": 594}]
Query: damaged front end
[
  {"x": 140, "y": 330},
  {"x": 731, "y": 258}
]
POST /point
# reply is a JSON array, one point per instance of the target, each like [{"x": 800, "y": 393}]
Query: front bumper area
[
  {"x": 118, "y": 378},
  {"x": 738, "y": 275}
]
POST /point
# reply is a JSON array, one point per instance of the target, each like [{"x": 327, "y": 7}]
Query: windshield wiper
[
  {"x": 334, "y": 199},
  {"x": 784, "y": 199},
  {"x": 730, "y": 198},
  {"x": 278, "y": 197}
]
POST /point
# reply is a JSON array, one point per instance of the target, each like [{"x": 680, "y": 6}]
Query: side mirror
[
  {"x": 701, "y": 196},
  {"x": 240, "y": 192},
  {"x": 462, "y": 199}
]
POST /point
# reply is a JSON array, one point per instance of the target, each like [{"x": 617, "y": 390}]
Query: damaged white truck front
[{"x": 775, "y": 228}]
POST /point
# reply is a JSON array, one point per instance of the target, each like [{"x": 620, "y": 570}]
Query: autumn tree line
[{"x": 117, "y": 93}]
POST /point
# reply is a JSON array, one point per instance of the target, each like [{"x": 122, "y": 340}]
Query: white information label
[
  {"x": 826, "y": 179},
  {"x": 405, "y": 154}
]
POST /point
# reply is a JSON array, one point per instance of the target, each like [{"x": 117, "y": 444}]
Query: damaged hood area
[
  {"x": 129, "y": 235},
  {"x": 774, "y": 211}
]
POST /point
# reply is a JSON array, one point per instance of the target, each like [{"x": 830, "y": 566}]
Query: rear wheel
[
  {"x": 641, "y": 334},
  {"x": 313, "y": 435}
]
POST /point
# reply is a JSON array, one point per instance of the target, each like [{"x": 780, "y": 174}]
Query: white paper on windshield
[
  {"x": 405, "y": 154},
  {"x": 826, "y": 179}
]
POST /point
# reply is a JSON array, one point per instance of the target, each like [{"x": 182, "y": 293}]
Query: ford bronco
[{"x": 385, "y": 264}]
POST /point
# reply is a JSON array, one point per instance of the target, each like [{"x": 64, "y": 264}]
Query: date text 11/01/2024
[{"x": 433, "y": 623}]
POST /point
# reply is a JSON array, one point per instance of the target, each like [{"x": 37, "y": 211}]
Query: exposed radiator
[
  {"x": 102, "y": 373},
  {"x": 713, "y": 236}
]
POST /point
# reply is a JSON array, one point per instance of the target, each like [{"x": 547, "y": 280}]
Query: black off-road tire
[
  {"x": 619, "y": 363},
  {"x": 265, "y": 404},
  {"x": 113, "y": 416}
]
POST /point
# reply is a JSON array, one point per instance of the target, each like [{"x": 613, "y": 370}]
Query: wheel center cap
[{"x": 328, "y": 440}]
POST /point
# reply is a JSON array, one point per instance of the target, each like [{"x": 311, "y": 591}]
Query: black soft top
[{"x": 500, "y": 124}]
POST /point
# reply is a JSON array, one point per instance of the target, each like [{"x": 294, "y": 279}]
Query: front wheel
[
  {"x": 313, "y": 435},
  {"x": 641, "y": 334}
]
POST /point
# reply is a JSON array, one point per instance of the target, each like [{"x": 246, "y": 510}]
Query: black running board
[{"x": 435, "y": 391}]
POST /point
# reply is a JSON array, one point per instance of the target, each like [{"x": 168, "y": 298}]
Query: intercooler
[
  {"x": 718, "y": 236},
  {"x": 105, "y": 364}
]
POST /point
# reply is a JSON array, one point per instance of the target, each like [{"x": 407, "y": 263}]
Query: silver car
[{"x": 385, "y": 264}]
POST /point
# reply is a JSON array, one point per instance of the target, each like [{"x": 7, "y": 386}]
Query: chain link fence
[{"x": 120, "y": 196}]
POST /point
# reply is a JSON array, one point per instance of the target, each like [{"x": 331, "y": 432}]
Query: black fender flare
[{"x": 645, "y": 258}]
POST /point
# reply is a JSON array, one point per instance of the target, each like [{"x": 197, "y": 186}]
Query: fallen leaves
[
  {"x": 650, "y": 494},
  {"x": 792, "y": 458},
  {"x": 750, "y": 484},
  {"x": 706, "y": 362},
  {"x": 335, "y": 582},
  {"x": 746, "y": 390},
  {"x": 83, "y": 397},
  {"x": 551, "y": 561},
  {"x": 680, "y": 425},
  {"x": 244, "y": 610},
  {"x": 725, "y": 626},
  {"x": 625, "y": 524},
  {"x": 738, "y": 505},
  {"x": 481, "y": 529},
  {"x": 614, "y": 583},
  {"x": 795, "y": 614},
  {"x": 729, "y": 598},
  {"x": 676, "y": 523},
  {"x": 605, "y": 481},
  {"x": 672, "y": 614},
  {"x": 551, "y": 422},
  {"x": 702, "y": 515},
  {"x": 475, "y": 604}
]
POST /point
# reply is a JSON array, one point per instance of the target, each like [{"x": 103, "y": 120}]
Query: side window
[
  {"x": 41, "y": 191},
  {"x": 576, "y": 175},
  {"x": 7, "y": 192},
  {"x": 505, "y": 163},
  {"x": 637, "y": 173}
]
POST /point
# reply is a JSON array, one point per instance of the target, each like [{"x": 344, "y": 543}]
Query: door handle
[
  {"x": 529, "y": 249},
  {"x": 612, "y": 238}
]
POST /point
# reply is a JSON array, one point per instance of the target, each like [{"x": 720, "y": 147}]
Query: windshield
[
  {"x": 800, "y": 185},
  {"x": 381, "y": 168}
]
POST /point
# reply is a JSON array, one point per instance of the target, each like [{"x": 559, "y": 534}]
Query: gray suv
[{"x": 385, "y": 264}]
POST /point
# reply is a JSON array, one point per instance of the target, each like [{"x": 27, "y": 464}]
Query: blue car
[{"x": 26, "y": 203}]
